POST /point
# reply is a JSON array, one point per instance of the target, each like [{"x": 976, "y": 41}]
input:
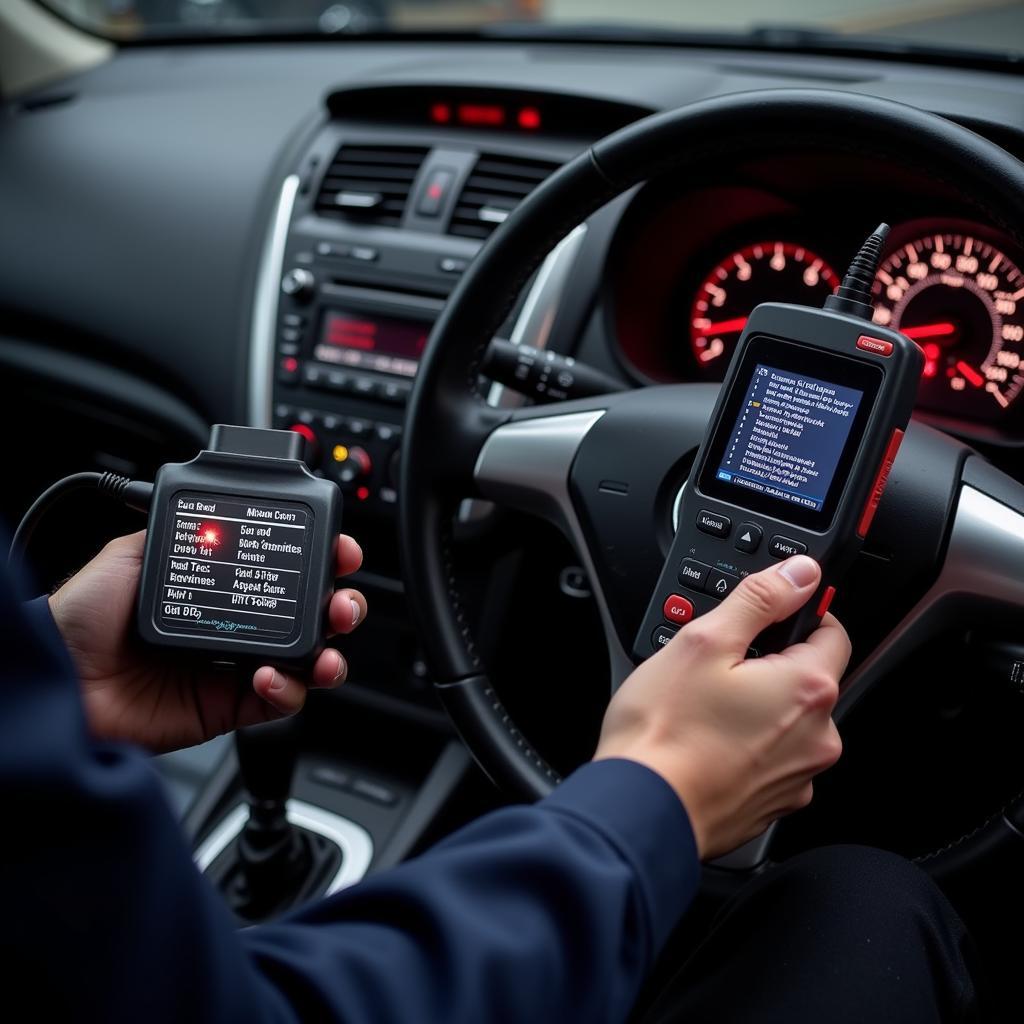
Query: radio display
[{"x": 370, "y": 342}]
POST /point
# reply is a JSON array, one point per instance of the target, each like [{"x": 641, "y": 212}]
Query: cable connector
[
  {"x": 135, "y": 494},
  {"x": 854, "y": 294}
]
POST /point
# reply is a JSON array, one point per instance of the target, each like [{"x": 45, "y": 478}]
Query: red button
[
  {"x": 871, "y": 506},
  {"x": 826, "y": 600},
  {"x": 876, "y": 345},
  {"x": 678, "y": 609}
]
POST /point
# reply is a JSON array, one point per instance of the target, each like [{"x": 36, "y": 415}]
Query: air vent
[
  {"x": 493, "y": 190},
  {"x": 370, "y": 184}
]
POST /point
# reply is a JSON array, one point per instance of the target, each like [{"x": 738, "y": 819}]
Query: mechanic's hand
[
  {"x": 738, "y": 740},
  {"x": 136, "y": 694}
]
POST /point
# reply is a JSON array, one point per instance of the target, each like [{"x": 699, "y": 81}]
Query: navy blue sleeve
[{"x": 550, "y": 912}]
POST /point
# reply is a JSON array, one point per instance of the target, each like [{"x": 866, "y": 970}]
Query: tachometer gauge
[
  {"x": 962, "y": 300},
  {"x": 763, "y": 272}
]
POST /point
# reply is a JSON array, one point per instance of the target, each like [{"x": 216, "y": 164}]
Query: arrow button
[{"x": 748, "y": 537}]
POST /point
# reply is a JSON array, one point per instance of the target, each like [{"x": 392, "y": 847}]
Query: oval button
[{"x": 677, "y": 609}]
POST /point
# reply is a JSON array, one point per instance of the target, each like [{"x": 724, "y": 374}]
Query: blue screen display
[{"x": 789, "y": 436}]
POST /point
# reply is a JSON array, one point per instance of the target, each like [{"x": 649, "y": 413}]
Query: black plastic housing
[
  {"x": 268, "y": 570},
  {"x": 831, "y": 536}
]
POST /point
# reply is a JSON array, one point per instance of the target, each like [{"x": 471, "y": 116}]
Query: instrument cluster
[{"x": 954, "y": 286}]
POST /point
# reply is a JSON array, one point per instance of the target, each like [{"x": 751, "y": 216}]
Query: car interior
[{"x": 490, "y": 261}]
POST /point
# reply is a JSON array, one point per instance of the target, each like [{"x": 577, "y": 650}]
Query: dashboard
[{"x": 265, "y": 234}]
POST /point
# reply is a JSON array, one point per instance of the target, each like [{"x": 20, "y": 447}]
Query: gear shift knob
[{"x": 266, "y": 759}]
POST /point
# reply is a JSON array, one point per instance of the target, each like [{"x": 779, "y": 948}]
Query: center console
[{"x": 380, "y": 215}]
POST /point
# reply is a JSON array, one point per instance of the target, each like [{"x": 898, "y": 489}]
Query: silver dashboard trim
[
  {"x": 353, "y": 840},
  {"x": 264, "y": 313}
]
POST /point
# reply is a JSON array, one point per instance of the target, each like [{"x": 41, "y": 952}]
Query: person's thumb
[{"x": 761, "y": 599}]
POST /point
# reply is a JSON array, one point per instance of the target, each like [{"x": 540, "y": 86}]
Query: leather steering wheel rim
[{"x": 448, "y": 420}]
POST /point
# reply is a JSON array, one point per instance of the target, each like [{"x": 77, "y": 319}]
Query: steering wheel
[{"x": 949, "y": 533}]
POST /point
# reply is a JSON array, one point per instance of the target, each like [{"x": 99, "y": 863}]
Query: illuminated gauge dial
[
  {"x": 962, "y": 301},
  {"x": 764, "y": 272}
]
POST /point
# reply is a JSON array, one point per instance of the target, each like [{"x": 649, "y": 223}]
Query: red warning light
[
  {"x": 362, "y": 493},
  {"x": 208, "y": 536},
  {"x": 488, "y": 115},
  {"x": 529, "y": 118},
  {"x": 440, "y": 113}
]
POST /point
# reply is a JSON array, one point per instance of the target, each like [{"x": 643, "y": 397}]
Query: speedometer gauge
[
  {"x": 962, "y": 300},
  {"x": 763, "y": 272}
]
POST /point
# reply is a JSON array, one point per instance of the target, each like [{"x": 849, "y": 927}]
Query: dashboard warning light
[
  {"x": 362, "y": 493},
  {"x": 529, "y": 118},
  {"x": 339, "y": 453},
  {"x": 440, "y": 113}
]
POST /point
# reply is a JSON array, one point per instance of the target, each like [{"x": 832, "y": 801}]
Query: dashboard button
[
  {"x": 748, "y": 537},
  {"x": 288, "y": 370},
  {"x": 452, "y": 265},
  {"x": 315, "y": 376},
  {"x": 293, "y": 320},
  {"x": 662, "y": 634},
  {"x": 692, "y": 573},
  {"x": 396, "y": 391},
  {"x": 720, "y": 584},
  {"x": 386, "y": 432},
  {"x": 291, "y": 334},
  {"x": 363, "y": 253},
  {"x": 366, "y": 387},
  {"x": 677, "y": 609},
  {"x": 435, "y": 192},
  {"x": 784, "y": 547},
  {"x": 711, "y": 522},
  {"x": 337, "y": 380},
  {"x": 358, "y": 428}
]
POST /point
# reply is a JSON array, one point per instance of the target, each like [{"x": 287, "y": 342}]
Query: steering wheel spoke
[{"x": 526, "y": 464}]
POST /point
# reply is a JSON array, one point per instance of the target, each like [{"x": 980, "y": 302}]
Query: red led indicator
[
  {"x": 440, "y": 113},
  {"x": 932, "y": 354},
  {"x": 289, "y": 364},
  {"x": 529, "y": 118},
  {"x": 481, "y": 114},
  {"x": 362, "y": 493},
  {"x": 434, "y": 190},
  {"x": 208, "y": 536}
]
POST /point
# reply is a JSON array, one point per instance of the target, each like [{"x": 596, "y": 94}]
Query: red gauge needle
[
  {"x": 970, "y": 373},
  {"x": 930, "y": 330},
  {"x": 737, "y": 323}
]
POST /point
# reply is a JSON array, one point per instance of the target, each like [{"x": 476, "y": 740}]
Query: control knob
[
  {"x": 352, "y": 464},
  {"x": 299, "y": 283}
]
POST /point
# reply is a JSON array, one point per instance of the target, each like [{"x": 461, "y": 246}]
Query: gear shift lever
[
  {"x": 274, "y": 857},
  {"x": 272, "y": 864}
]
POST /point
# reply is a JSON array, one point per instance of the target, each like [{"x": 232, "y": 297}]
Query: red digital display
[
  {"x": 485, "y": 115},
  {"x": 370, "y": 342}
]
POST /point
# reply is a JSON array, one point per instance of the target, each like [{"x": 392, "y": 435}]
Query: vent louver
[
  {"x": 370, "y": 184},
  {"x": 493, "y": 190}
]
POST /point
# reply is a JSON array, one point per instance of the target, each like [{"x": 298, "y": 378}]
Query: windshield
[{"x": 996, "y": 26}]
